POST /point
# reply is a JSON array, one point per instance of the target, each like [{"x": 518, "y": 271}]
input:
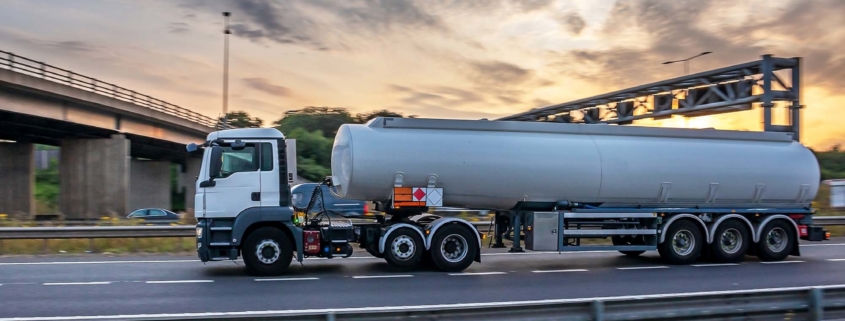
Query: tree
[
  {"x": 241, "y": 119},
  {"x": 365, "y": 117},
  {"x": 324, "y": 119}
]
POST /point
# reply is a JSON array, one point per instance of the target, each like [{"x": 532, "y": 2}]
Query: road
[{"x": 132, "y": 286}]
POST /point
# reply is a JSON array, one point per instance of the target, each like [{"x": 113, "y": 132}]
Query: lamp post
[
  {"x": 226, "y": 33},
  {"x": 686, "y": 61}
]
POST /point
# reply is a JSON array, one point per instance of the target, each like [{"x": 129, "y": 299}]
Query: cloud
[
  {"x": 537, "y": 102},
  {"x": 263, "y": 85},
  {"x": 437, "y": 95},
  {"x": 498, "y": 72},
  {"x": 573, "y": 22},
  {"x": 178, "y": 27}
]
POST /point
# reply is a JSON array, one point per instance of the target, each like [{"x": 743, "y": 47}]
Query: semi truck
[{"x": 686, "y": 193}]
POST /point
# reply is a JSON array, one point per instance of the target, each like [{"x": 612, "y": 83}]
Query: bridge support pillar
[
  {"x": 189, "y": 178},
  {"x": 149, "y": 184},
  {"x": 94, "y": 177},
  {"x": 17, "y": 180}
]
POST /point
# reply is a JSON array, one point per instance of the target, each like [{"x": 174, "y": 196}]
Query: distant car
[
  {"x": 154, "y": 214},
  {"x": 301, "y": 195}
]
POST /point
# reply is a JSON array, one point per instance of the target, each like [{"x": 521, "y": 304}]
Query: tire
[
  {"x": 275, "y": 249},
  {"x": 730, "y": 242},
  {"x": 769, "y": 248},
  {"x": 403, "y": 249},
  {"x": 453, "y": 248},
  {"x": 373, "y": 250},
  {"x": 628, "y": 240},
  {"x": 689, "y": 239}
]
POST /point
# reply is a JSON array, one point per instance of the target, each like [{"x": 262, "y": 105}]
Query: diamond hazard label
[
  {"x": 417, "y": 197},
  {"x": 419, "y": 194}
]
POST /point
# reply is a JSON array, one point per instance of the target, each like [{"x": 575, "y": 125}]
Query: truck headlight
[{"x": 199, "y": 232}]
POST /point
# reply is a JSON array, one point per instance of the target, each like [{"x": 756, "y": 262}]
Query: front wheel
[
  {"x": 267, "y": 251},
  {"x": 682, "y": 244},
  {"x": 453, "y": 248}
]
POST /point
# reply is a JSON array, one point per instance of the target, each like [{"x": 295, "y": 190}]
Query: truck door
[
  {"x": 270, "y": 180},
  {"x": 239, "y": 186}
]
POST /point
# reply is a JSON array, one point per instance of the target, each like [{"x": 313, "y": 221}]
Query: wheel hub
[
  {"x": 268, "y": 251},
  {"x": 454, "y": 248},
  {"x": 731, "y": 241},
  {"x": 683, "y": 242},
  {"x": 403, "y": 247},
  {"x": 776, "y": 240}
]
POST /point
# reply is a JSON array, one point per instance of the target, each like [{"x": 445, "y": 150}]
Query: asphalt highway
[{"x": 126, "y": 287}]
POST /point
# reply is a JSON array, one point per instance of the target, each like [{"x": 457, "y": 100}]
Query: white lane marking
[
  {"x": 285, "y": 279},
  {"x": 382, "y": 276},
  {"x": 714, "y": 264},
  {"x": 826, "y": 244},
  {"x": 782, "y": 262},
  {"x": 179, "y": 281},
  {"x": 413, "y": 307},
  {"x": 643, "y": 267},
  {"x": 836, "y": 260},
  {"x": 78, "y": 283},
  {"x": 560, "y": 271},
  {"x": 477, "y": 273}
]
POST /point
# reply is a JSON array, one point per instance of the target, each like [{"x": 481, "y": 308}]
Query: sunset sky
[{"x": 435, "y": 58}]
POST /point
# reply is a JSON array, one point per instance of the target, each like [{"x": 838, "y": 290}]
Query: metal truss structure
[{"x": 718, "y": 91}]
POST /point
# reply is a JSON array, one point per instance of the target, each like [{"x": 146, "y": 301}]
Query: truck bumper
[
  {"x": 203, "y": 252},
  {"x": 813, "y": 233}
]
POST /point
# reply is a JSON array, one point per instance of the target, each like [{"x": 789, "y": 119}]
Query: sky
[{"x": 432, "y": 58}]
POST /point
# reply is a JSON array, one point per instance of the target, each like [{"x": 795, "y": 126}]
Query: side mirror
[
  {"x": 191, "y": 148},
  {"x": 215, "y": 164}
]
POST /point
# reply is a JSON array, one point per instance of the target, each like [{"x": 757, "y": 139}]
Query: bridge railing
[{"x": 42, "y": 70}]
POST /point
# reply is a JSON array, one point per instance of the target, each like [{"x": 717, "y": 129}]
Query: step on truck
[{"x": 689, "y": 194}]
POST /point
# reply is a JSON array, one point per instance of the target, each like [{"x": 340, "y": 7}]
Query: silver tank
[{"x": 495, "y": 164}]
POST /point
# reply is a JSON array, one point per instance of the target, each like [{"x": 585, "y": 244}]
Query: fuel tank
[{"x": 484, "y": 164}]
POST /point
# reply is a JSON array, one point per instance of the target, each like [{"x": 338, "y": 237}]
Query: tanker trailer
[{"x": 682, "y": 192}]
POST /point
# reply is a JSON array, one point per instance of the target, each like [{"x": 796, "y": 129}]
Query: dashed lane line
[
  {"x": 286, "y": 279},
  {"x": 78, "y": 283},
  {"x": 477, "y": 273},
  {"x": 179, "y": 281},
  {"x": 387, "y": 276},
  {"x": 836, "y": 260},
  {"x": 560, "y": 271},
  {"x": 643, "y": 267},
  {"x": 714, "y": 264},
  {"x": 782, "y": 262}
]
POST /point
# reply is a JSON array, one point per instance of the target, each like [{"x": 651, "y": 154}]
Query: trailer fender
[
  {"x": 795, "y": 249},
  {"x": 431, "y": 229},
  {"x": 677, "y": 217},
  {"x": 392, "y": 228},
  {"x": 715, "y": 226}
]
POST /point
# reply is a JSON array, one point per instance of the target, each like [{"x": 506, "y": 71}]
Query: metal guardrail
[
  {"x": 66, "y": 77},
  {"x": 799, "y": 303},
  {"x": 91, "y": 232}
]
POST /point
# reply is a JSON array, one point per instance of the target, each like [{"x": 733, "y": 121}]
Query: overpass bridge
[{"x": 117, "y": 145}]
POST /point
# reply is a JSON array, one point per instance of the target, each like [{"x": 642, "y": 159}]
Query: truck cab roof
[{"x": 250, "y": 133}]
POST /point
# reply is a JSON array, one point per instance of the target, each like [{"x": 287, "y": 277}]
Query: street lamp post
[
  {"x": 226, "y": 33},
  {"x": 686, "y": 61}
]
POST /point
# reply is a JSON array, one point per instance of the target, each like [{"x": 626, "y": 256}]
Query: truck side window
[
  {"x": 266, "y": 157},
  {"x": 244, "y": 160}
]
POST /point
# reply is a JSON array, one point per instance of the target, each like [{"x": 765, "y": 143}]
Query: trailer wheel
[
  {"x": 403, "y": 248},
  {"x": 776, "y": 241},
  {"x": 730, "y": 242},
  {"x": 267, "y": 251},
  {"x": 683, "y": 243},
  {"x": 453, "y": 248}
]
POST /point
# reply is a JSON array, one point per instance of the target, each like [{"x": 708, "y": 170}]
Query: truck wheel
[
  {"x": 372, "y": 248},
  {"x": 682, "y": 244},
  {"x": 403, "y": 248},
  {"x": 776, "y": 241},
  {"x": 628, "y": 240},
  {"x": 453, "y": 248},
  {"x": 267, "y": 251},
  {"x": 730, "y": 242}
]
